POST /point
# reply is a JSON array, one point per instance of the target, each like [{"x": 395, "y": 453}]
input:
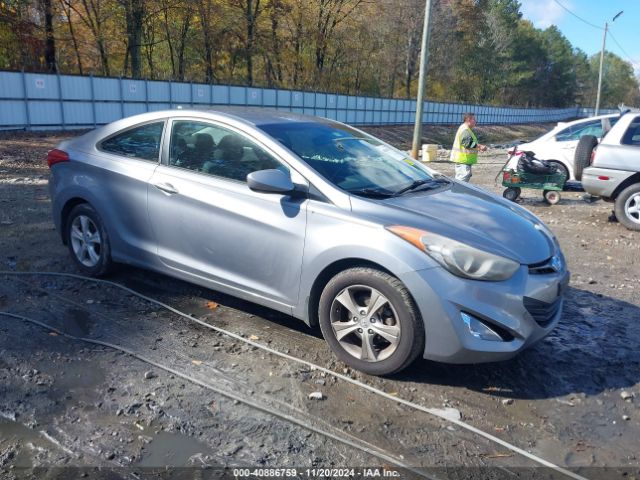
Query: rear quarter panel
[{"x": 117, "y": 189}]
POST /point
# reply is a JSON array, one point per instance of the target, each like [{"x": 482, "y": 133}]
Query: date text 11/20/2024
[{"x": 315, "y": 472}]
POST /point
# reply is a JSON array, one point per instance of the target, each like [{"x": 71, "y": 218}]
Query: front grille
[
  {"x": 542, "y": 268},
  {"x": 542, "y": 312}
]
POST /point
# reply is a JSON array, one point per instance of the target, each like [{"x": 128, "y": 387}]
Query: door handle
[{"x": 166, "y": 188}]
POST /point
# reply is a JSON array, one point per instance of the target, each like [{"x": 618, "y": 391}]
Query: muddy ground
[{"x": 198, "y": 400}]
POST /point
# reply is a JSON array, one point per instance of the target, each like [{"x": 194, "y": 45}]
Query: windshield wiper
[
  {"x": 372, "y": 192},
  {"x": 431, "y": 183}
]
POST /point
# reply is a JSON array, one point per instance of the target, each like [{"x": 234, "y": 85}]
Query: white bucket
[{"x": 429, "y": 152}]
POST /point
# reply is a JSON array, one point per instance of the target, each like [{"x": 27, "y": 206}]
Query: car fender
[{"x": 335, "y": 258}]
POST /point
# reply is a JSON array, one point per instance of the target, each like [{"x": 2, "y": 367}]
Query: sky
[{"x": 544, "y": 13}]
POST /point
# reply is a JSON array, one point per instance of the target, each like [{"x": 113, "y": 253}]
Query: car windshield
[{"x": 351, "y": 160}]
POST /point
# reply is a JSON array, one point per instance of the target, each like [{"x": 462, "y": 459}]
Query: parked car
[
  {"x": 611, "y": 169},
  {"x": 318, "y": 220},
  {"x": 559, "y": 144}
]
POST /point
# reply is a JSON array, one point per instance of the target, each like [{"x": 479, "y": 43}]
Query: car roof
[
  {"x": 587, "y": 119},
  {"x": 254, "y": 115},
  {"x": 614, "y": 135}
]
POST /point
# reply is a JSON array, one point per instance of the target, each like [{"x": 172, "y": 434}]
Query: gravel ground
[{"x": 573, "y": 399}]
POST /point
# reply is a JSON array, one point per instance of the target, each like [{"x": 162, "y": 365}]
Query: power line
[
  {"x": 599, "y": 28},
  {"x": 633, "y": 63},
  {"x": 578, "y": 17}
]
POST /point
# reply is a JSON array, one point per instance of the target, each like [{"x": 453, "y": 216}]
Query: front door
[{"x": 208, "y": 223}]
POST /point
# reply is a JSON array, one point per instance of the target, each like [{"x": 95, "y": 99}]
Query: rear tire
[
  {"x": 582, "y": 157},
  {"x": 88, "y": 241},
  {"x": 627, "y": 207},
  {"x": 370, "y": 321}
]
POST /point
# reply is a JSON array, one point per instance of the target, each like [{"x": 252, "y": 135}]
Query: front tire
[
  {"x": 551, "y": 197},
  {"x": 88, "y": 241},
  {"x": 370, "y": 321},
  {"x": 627, "y": 207},
  {"x": 512, "y": 193}
]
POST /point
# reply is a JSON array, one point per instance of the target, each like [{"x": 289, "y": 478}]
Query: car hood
[{"x": 469, "y": 215}]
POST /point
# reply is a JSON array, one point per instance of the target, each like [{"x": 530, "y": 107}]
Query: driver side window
[{"x": 215, "y": 150}]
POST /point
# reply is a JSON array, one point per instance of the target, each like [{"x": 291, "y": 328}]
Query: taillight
[
  {"x": 593, "y": 156},
  {"x": 56, "y": 156}
]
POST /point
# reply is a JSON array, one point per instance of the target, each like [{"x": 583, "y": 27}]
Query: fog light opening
[{"x": 479, "y": 329}]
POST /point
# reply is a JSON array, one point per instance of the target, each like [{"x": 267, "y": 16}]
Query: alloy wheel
[
  {"x": 632, "y": 208},
  {"x": 85, "y": 241},
  {"x": 365, "y": 323}
]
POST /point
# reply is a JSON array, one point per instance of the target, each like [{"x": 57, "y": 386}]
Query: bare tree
[
  {"x": 93, "y": 17},
  {"x": 134, "y": 11},
  {"x": 273, "y": 55},
  {"x": 207, "y": 11},
  {"x": 68, "y": 15},
  {"x": 180, "y": 13},
  {"x": 330, "y": 13},
  {"x": 49, "y": 42},
  {"x": 250, "y": 12}
]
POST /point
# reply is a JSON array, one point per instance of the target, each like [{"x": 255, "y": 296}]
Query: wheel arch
[
  {"x": 327, "y": 274},
  {"x": 633, "y": 179},
  {"x": 64, "y": 215}
]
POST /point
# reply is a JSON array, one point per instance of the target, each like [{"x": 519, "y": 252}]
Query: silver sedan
[{"x": 318, "y": 220}]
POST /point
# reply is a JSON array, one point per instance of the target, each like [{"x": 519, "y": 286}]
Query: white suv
[
  {"x": 612, "y": 169},
  {"x": 559, "y": 144}
]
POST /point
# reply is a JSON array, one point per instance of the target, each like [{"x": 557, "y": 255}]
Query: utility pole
[
  {"x": 424, "y": 55},
  {"x": 604, "y": 42}
]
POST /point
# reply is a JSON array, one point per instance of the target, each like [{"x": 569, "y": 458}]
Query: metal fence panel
[
  {"x": 156, "y": 107},
  {"x": 284, "y": 98},
  {"x": 270, "y": 97},
  {"x": 134, "y": 109},
  {"x": 45, "y": 113},
  {"x": 41, "y": 86},
  {"x": 13, "y": 114},
  {"x": 78, "y": 113},
  {"x": 254, "y": 96},
  {"x": 201, "y": 94},
  {"x": 75, "y": 88},
  {"x": 309, "y": 99},
  {"x": 220, "y": 95},
  {"x": 106, "y": 88},
  {"x": 29, "y": 100},
  {"x": 11, "y": 85},
  {"x": 180, "y": 93},
  {"x": 297, "y": 99},
  {"x": 107, "y": 112},
  {"x": 158, "y": 91},
  {"x": 237, "y": 96},
  {"x": 134, "y": 91}
]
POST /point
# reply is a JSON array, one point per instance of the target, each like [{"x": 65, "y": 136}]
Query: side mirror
[{"x": 270, "y": 181}]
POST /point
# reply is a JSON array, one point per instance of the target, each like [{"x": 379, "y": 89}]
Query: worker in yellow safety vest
[{"x": 465, "y": 148}]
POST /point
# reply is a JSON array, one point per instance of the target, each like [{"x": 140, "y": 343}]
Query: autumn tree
[{"x": 481, "y": 51}]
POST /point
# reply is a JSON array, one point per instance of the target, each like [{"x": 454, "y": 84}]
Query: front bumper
[
  {"x": 602, "y": 182},
  {"x": 524, "y": 308}
]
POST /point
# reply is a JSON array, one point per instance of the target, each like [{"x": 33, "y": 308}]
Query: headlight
[{"x": 459, "y": 258}]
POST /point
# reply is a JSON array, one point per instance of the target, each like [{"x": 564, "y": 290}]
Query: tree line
[{"x": 481, "y": 51}]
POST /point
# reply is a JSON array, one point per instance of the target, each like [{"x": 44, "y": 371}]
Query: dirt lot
[{"x": 193, "y": 397}]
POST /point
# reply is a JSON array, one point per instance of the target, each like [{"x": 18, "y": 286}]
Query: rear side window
[
  {"x": 139, "y": 142},
  {"x": 632, "y": 135},
  {"x": 575, "y": 132}
]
